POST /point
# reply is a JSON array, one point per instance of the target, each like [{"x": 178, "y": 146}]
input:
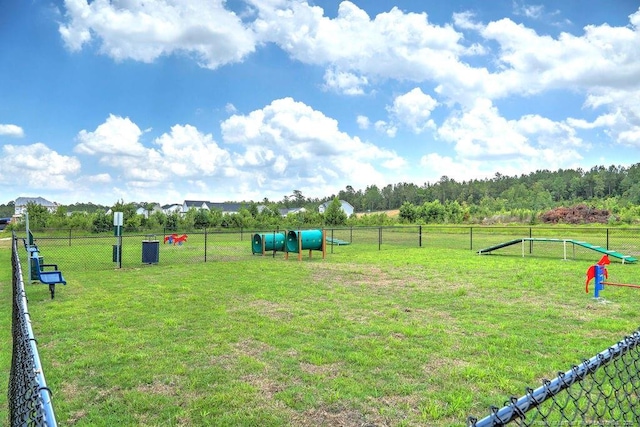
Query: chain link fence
[
  {"x": 602, "y": 391},
  {"x": 100, "y": 252},
  {"x": 29, "y": 397}
]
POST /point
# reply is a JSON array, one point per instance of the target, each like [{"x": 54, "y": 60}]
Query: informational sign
[{"x": 117, "y": 223}]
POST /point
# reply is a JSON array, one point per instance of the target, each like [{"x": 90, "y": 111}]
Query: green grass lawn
[{"x": 402, "y": 337}]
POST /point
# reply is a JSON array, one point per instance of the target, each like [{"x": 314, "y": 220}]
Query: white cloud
[
  {"x": 622, "y": 120},
  {"x": 289, "y": 142},
  {"x": 393, "y": 44},
  {"x": 38, "y": 165},
  {"x": 101, "y": 178},
  {"x": 481, "y": 133},
  {"x": 11, "y": 130},
  {"x": 387, "y": 128},
  {"x": 230, "y": 108},
  {"x": 144, "y": 31},
  {"x": 363, "y": 122},
  {"x": 413, "y": 109},
  {"x": 116, "y": 137},
  {"x": 185, "y": 151},
  {"x": 533, "y": 11},
  {"x": 344, "y": 82},
  {"x": 284, "y": 145}
]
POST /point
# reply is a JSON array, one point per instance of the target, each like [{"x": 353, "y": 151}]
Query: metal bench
[
  {"x": 48, "y": 277},
  {"x": 30, "y": 248}
]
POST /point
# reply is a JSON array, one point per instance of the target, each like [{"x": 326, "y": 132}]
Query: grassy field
[{"x": 400, "y": 337}]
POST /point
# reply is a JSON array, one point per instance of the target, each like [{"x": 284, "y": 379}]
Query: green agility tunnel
[
  {"x": 309, "y": 239},
  {"x": 267, "y": 242}
]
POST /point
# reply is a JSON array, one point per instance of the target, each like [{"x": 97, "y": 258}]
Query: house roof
[
  {"x": 195, "y": 203},
  {"x": 23, "y": 201},
  {"x": 226, "y": 207},
  {"x": 342, "y": 202}
]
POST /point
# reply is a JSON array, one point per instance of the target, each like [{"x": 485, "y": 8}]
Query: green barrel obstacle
[
  {"x": 311, "y": 240},
  {"x": 268, "y": 242}
]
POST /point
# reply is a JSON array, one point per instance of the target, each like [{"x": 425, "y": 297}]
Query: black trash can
[
  {"x": 150, "y": 251},
  {"x": 115, "y": 253}
]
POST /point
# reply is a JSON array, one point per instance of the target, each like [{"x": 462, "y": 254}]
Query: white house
[
  {"x": 197, "y": 204},
  {"x": 291, "y": 211},
  {"x": 171, "y": 209},
  {"x": 345, "y": 206},
  {"x": 22, "y": 202},
  {"x": 226, "y": 208}
]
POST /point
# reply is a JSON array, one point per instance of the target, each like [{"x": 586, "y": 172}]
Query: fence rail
[{"x": 29, "y": 397}]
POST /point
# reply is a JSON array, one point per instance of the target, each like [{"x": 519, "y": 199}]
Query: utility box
[{"x": 150, "y": 250}]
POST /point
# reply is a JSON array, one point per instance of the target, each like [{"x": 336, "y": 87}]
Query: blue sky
[{"x": 162, "y": 101}]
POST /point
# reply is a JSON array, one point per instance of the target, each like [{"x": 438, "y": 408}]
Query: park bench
[
  {"x": 30, "y": 248},
  {"x": 48, "y": 277}
]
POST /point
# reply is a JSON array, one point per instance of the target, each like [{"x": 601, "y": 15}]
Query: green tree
[
  {"x": 172, "y": 221},
  {"x": 38, "y": 216},
  {"x": 79, "y": 221},
  {"x": 201, "y": 218},
  {"x": 59, "y": 218},
  {"x": 101, "y": 222},
  {"x": 334, "y": 215},
  {"x": 408, "y": 213},
  {"x": 433, "y": 212}
]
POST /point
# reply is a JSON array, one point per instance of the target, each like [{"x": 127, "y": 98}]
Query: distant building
[
  {"x": 291, "y": 211},
  {"x": 142, "y": 210},
  {"x": 226, "y": 208},
  {"x": 22, "y": 202},
  {"x": 196, "y": 204},
  {"x": 345, "y": 206},
  {"x": 171, "y": 209}
]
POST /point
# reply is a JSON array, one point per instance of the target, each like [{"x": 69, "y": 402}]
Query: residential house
[
  {"x": 22, "y": 202},
  {"x": 345, "y": 206},
  {"x": 142, "y": 210},
  {"x": 196, "y": 204},
  {"x": 291, "y": 211},
  {"x": 171, "y": 209},
  {"x": 225, "y": 208}
]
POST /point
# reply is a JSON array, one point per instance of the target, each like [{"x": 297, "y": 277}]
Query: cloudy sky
[{"x": 167, "y": 100}]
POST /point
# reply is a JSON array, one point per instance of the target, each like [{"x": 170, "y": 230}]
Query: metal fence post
[
  {"x": 205, "y": 244},
  {"x": 379, "y": 237},
  {"x": 332, "y": 240},
  {"x": 420, "y": 236}
]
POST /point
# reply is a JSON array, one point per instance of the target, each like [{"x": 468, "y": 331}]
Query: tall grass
[{"x": 408, "y": 337}]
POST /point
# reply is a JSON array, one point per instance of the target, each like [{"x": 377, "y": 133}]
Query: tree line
[{"x": 493, "y": 200}]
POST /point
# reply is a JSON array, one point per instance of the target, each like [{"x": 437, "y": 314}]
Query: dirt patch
[
  {"x": 331, "y": 370},
  {"x": 271, "y": 309},
  {"x": 392, "y": 213},
  {"x": 336, "y": 417},
  {"x": 580, "y": 214},
  {"x": 161, "y": 388}
]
